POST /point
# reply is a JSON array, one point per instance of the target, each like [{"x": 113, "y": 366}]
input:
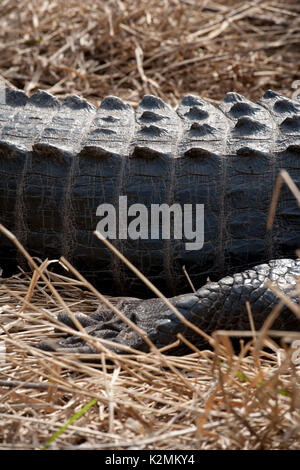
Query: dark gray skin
[
  {"x": 58, "y": 162},
  {"x": 216, "y": 305}
]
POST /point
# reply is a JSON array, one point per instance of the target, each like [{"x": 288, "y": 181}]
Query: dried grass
[
  {"x": 168, "y": 48},
  {"x": 204, "y": 400}
]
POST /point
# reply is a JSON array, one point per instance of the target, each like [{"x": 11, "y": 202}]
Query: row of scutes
[
  {"x": 115, "y": 126},
  {"x": 239, "y": 105}
]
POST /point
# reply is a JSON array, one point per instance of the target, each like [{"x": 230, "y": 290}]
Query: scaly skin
[
  {"x": 59, "y": 162},
  {"x": 216, "y": 305}
]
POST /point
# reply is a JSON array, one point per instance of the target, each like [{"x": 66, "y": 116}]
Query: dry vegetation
[
  {"x": 167, "y": 48},
  {"x": 205, "y": 400}
]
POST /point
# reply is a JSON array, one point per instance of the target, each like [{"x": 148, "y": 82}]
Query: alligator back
[{"x": 59, "y": 162}]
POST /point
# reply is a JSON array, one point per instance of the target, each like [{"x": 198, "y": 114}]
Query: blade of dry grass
[
  {"x": 283, "y": 176},
  {"x": 154, "y": 289}
]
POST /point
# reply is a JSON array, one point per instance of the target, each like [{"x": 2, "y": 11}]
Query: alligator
[
  {"x": 65, "y": 165},
  {"x": 215, "y": 306}
]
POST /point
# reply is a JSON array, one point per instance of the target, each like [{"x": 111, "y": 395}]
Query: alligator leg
[{"x": 216, "y": 305}]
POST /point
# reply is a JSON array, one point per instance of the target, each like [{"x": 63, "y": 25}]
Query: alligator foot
[{"x": 216, "y": 305}]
